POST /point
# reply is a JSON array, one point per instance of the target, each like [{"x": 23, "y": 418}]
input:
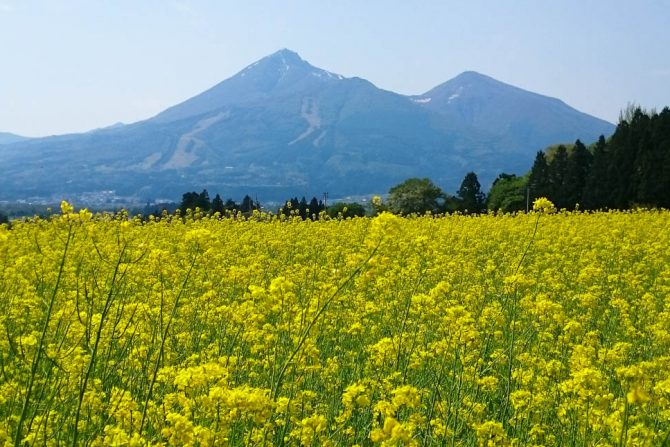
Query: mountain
[
  {"x": 282, "y": 127},
  {"x": 9, "y": 138},
  {"x": 523, "y": 118}
]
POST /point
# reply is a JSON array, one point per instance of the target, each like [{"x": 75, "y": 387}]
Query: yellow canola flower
[
  {"x": 66, "y": 208},
  {"x": 543, "y": 205},
  {"x": 637, "y": 396},
  {"x": 491, "y": 434},
  {"x": 390, "y": 331}
]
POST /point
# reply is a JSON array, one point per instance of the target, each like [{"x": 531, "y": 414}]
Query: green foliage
[
  {"x": 217, "y": 205},
  {"x": 538, "y": 178},
  {"x": 248, "y": 204},
  {"x": 558, "y": 168},
  {"x": 345, "y": 210},
  {"x": 508, "y": 193},
  {"x": 415, "y": 195},
  {"x": 303, "y": 209},
  {"x": 630, "y": 169},
  {"x": 193, "y": 200},
  {"x": 579, "y": 165},
  {"x": 470, "y": 194}
]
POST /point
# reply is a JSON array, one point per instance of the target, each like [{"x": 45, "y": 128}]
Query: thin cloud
[{"x": 6, "y": 7}]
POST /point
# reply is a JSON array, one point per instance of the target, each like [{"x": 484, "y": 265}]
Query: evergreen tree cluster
[
  {"x": 563, "y": 177},
  {"x": 632, "y": 168},
  {"x": 302, "y": 208},
  {"x": 193, "y": 200}
]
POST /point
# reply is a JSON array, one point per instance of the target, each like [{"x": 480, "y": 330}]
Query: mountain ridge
[
  {"x": 9, "y": 138},
  {"x": 282, "y": 126}
]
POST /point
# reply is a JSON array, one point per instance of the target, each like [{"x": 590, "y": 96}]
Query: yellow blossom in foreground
[
  {"x": 543, "y": 205},
  {"x": 532, "y": 329}
]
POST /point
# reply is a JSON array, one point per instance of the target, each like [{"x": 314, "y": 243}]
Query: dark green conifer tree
[
  {"x": 189, "y": 200},
  {"x": 470, "y": 193},
  {"x": 247, "y": 204},
  {"x": 538, "y": 181},
  {"x": 578, "y": 167},
  {"x": 203, "y": 201},
  {"x": 596, "y": 189},
  {"x": 217, "y": 205}
]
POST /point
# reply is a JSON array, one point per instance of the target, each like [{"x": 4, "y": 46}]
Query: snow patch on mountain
[
  {"x": 185, "y": 153},
  {"x": 310, "y": 112},
  {"x": 455, "y": 95},
  {"x": 323, "y": 73},
  {"x": 148, "y": 162},
  {"x": 319, "y": 139}
]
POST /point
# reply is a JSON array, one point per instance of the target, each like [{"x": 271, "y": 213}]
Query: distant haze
[{"x": 76, "y": 65}]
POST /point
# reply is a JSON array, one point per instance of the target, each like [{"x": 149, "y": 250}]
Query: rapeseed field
[{"x": 537, "y": 329}]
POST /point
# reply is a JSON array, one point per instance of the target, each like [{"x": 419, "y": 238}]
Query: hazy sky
[{"x": 74, "y": 65}]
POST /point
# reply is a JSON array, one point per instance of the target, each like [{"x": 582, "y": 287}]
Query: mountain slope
[
  {"x": 9, "y": 138},
  {"x": 282, "y": 127},
  {"x": 523, "y": 117},
  {"x": 281, "y": 74}
]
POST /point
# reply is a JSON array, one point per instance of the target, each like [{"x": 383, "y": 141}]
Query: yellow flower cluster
[
  {"x": 543, "y": 329},
  {"x": 543, "y": 205}
]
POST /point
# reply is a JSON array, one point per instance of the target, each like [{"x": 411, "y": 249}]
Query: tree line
[
  {"x": 193, "y": 200},
  {"x": 313, "y": 209},
  {"x": 421, "y": 195},
  {"x": 631, "y": 168}
]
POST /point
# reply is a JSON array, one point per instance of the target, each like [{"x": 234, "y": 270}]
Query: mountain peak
[
  {"x": 276, "y": 126},
  {"x": 284, "y": 59},
  {"x": 275, "y": 75},
  {"x": 474, "y": 76},
  {"x": 287, "y": 54},
  {"x": 471, "y": 74}
]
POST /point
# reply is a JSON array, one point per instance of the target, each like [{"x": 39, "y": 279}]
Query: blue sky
[{"x": 74, "y": 65}]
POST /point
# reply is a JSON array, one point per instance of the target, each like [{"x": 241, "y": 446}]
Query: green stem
[
  {"x": 38, "y": 354},
  {"x": 164, "y": 335},
  {"x": 98, "y": 336},
  {"x": 303, "y": 338}
]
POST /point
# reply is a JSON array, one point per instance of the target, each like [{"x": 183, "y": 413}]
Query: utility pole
[{"x": 325, "y": 200}]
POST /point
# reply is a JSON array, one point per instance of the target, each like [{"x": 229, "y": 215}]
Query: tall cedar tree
[
  {"x": 203, "y": 201},
  {"x": 558, "y": 168},
  {"x": 470, "y": 193},
  {"x": 315, "y": 207},
  {"x": 579, "y": 164},
  {"x": 189, "y": 200},
  {"x": 217, "y": 205},
  {"x": 538, "y": 181},
  {"x": 248, "y": 204},
  {"x": 651, "y": 178},
  {"x": 596, "y": 190}
]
